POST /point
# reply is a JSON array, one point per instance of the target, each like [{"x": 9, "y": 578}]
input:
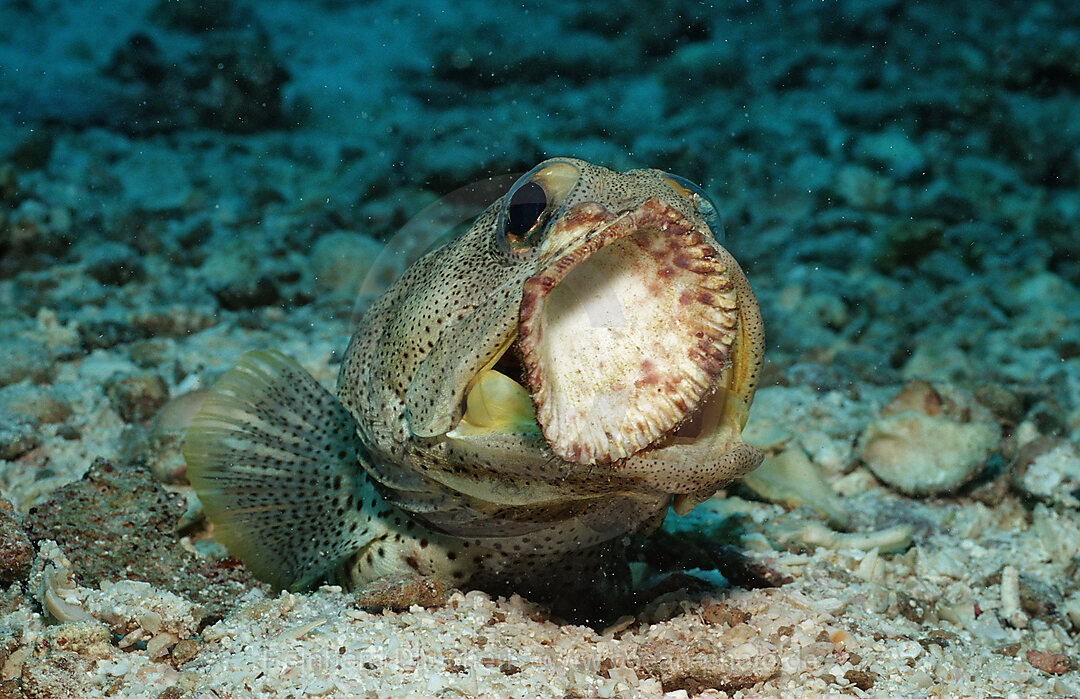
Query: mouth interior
[
  {"x": 621, "y": 343},
  {"x": 497, "y": 403}
]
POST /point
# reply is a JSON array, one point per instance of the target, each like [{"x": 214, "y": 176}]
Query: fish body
[{"x": 556, "y": 378}]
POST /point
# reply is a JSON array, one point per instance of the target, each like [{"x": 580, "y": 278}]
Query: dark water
[{"x": 899, "y": 179}]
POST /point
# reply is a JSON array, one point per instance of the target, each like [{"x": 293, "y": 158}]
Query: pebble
[
  {"x": 113, "y": 264},
  {"x": 795, "y": 533},
  {"x": 893, "y": 150},
  {"x": 341, "y": 259},
  {"x": 105, "y": 334},
  {"x": 862, "y": 188},
  {"x": 185, "y": 651},
  {"x": 697, "y": 665},
  {"x": 137, "y": 397},
  {"x": 398, "y": 593},
  {"x": 18, "y": 434},
  {"x": 22, "y": 358},
  {"x": 724, "y": 614},
  {"x": 154, "y": 178},
  {"x": 906, "y": 242},
  {"x": 1053, "y": 663},
  {"x": 248, "y": 293},
  {"x": 36, "y": 403}
]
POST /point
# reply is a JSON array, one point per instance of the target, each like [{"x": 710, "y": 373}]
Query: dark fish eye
[
  {"x": 529, "y": 207},
  {"x": 525, "y": 208}
]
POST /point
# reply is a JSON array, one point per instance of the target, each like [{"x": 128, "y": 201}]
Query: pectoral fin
[{"x": 273, "y": 458}]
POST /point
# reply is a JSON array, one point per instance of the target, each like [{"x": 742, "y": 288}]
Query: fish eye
[
  {"x": 701, "y": 201},
  {"x": 525, "y": 208},
  {"x": 534, "y": 201}
]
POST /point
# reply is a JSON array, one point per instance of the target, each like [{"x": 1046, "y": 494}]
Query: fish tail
[{"x": 273, "y": 457}]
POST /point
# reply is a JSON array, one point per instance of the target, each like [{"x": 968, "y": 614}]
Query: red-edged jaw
[{"x": 625, "y": 329}]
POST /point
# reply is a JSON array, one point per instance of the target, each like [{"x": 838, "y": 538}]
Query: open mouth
[{"x": 623, "y": 342}]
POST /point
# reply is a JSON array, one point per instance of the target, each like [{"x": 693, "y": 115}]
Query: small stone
[
  {"x": 1039, "y": 598},
  {"x": 185, "y": 651},
  {"x": 1005, "y": 404},
  {"x": 153, "y": 177},
  {"x": 906, "y": 242},
  {"x": 55, "y": 675},
  {"x": 341, "y": 259},
  {"x": 164, "y": 457},
  {"x": 10, "y": 689},
  {"x": 398, "y": 593},
  {"x": 113, "y": 264},
  {"x": 248, "y": 293},
  {"x": 791, "y": 479},
  {"x": 724, "y": 614},
  {"x": 1052, "y": 663},
  {"x": 89, "y": 638},
  {"x": 18, "y": 434},
  {"x": 861, "y": 679},
  {"x": 68, "y": 432},
  {"x": 150, "y": 353},
  {"x": 137, "y": 397},
  {"x": 34, "y": 233},
  {"x": 862, "y": 188},
  {"x": 178, "y": 321},
  {"x": 1009, "y": 650},
  {"x": 699, "y": 665},
  {"x": 911, "y": 607},
  {"x": 105, "y": 334},
  {"x": 893, "y": 150},
  {"x": 24, "y": 359},
  {"x": 35, "y": 403}
]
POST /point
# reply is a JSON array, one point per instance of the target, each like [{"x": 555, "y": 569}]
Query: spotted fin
[{"x": 273, "y": 458}]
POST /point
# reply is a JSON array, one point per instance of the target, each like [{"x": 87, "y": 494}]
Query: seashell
[
  {"x": 929, "y": 439},
  {"x": 791, "y": 479}
]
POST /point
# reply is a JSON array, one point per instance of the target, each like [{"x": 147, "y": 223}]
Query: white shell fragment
[
  {"x": 790, "y": 478},
  {"x": 1049, "y": 470},
  {"x": 929, "y": 439}
]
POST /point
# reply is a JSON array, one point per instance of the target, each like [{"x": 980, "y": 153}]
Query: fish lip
[{"x": 681, "y": 249}]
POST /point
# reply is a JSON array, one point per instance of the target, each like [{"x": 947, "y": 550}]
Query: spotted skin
[{"x": 394, "y": 480}]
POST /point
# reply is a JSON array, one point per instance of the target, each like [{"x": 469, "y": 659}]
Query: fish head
[{"x": 588, "y": 333}]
